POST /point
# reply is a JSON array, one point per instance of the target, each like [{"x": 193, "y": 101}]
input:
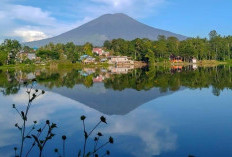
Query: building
[
  {"x": 175, "y": 59},
  {"x": 100, "y": 52},
  {"x": 89, "y": 60},
  {"x": 22, "y": 55},
  {"x": 120, "y": 60},
  {"x": 103, "y": 60},
  {"x": 31, "y": 56},
  {"x": 193, "y": 60},
  {"x": 83, "y": 57}
]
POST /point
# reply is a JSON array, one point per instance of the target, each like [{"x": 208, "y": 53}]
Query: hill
[{"x": 107, "y": 27}]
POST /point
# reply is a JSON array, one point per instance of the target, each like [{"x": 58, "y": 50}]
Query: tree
[
  {"x": 151, "y": 57},
  {"x": 11, "y": 47},
  {"x": 161, "y": 47},
  {"x": 88, "y": 48},
  {"x": 107, "y": 44},
  {"x": 173, "y": 45},
  {"x": 212, "y": 34}
]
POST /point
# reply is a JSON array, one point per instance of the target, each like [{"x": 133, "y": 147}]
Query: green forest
[{"x": 217, "y": 47}]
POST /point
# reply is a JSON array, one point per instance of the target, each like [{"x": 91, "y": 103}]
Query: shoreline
[
  {"x": 206, "y": 63},
  {"x": 138, "y": 64}
]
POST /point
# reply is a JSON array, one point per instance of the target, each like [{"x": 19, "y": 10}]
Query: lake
[{"x": 152, "y": 111}]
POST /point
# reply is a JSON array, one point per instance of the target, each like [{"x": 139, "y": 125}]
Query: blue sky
[{"x": 28, "y": 20}]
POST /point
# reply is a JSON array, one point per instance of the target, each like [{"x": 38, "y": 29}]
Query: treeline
[
  {"x": 214, "y": 48},
  {"x": 68, "y": 51},
  {"x": 217, "y": 47}
]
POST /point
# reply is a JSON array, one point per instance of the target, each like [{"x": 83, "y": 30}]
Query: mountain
[{"x": 107, "y": 27}]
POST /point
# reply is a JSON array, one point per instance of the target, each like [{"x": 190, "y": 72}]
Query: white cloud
[
  {"x": 30, "y": 35},
  {"x": 34, "y": 23},
  {"x": 31, "y": 14},
  {"x": 148, "y": 128}
]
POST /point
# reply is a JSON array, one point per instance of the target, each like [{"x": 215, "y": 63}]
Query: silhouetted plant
[
  {"x": 34, "y": 134},
  {"x": 41, "y": 135},
  {"x": 87, "y": 135},
  {"x": 96, "y": 139}
]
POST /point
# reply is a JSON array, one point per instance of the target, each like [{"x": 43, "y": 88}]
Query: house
[
  {"x": 106, "y": 54},
  {"x": 120, "y": 60},
  {"x": 98, "y": 51},
  {"x": 31, "y": 56},
  {"x": 193, "y": 60},
  {"x": 83, "y": 57},
  {"x": 175, "y": 59},
  {"x": 103, "y": 60},
  {"x": 89, "y": 60},
  {"x": 22, "y": 55}
]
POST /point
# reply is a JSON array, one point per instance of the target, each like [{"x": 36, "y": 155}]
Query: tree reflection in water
[{"x": 164, "y": 78}]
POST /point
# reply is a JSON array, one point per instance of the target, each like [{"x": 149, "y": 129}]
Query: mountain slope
[{"x": 107, "y": 27}]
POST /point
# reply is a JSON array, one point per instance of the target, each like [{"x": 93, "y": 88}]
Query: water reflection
[
  {"x": 152, "y": 111},
  {"x": 120, "y": 78},
  {"x": 132, "y": 130}
]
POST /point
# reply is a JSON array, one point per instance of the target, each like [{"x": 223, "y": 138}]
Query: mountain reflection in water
[{"x": 151, "y": 111}]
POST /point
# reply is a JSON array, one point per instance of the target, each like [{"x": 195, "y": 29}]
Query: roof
[{"x": 96, "y": 49}]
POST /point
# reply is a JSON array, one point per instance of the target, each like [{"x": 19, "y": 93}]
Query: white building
[{"x": 120, "y": 60}]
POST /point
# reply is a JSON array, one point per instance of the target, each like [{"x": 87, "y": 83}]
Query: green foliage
[
  {"x": 8, "y": 51},
  {"x": 68, "y": 51},
  {"x": 27, "y": 61},
  {"x": 88, "y": 49},
  {"x": 48, "y": 54},
  {"x": 3, "y": 57},
  {"x": 151, "y": 57},
  {"x": 217, "y": 48}
]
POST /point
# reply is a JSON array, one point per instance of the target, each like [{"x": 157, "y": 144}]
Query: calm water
[{"x": 150, "y": 112}]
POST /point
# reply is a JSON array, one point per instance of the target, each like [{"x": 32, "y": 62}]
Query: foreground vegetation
[{"x": 40, "y": 134}]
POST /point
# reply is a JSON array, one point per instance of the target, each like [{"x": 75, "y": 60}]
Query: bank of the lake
[
  {"x": 53, "y": 65},
  {"x": 207, "y": 63},
  {"x": 138, "y": 64}
]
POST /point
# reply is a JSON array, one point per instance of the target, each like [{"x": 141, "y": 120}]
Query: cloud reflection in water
[{"x": 139, "y": 133}]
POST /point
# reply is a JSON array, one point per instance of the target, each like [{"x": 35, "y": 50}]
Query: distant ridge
[{"x": 107, "y": 27}]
